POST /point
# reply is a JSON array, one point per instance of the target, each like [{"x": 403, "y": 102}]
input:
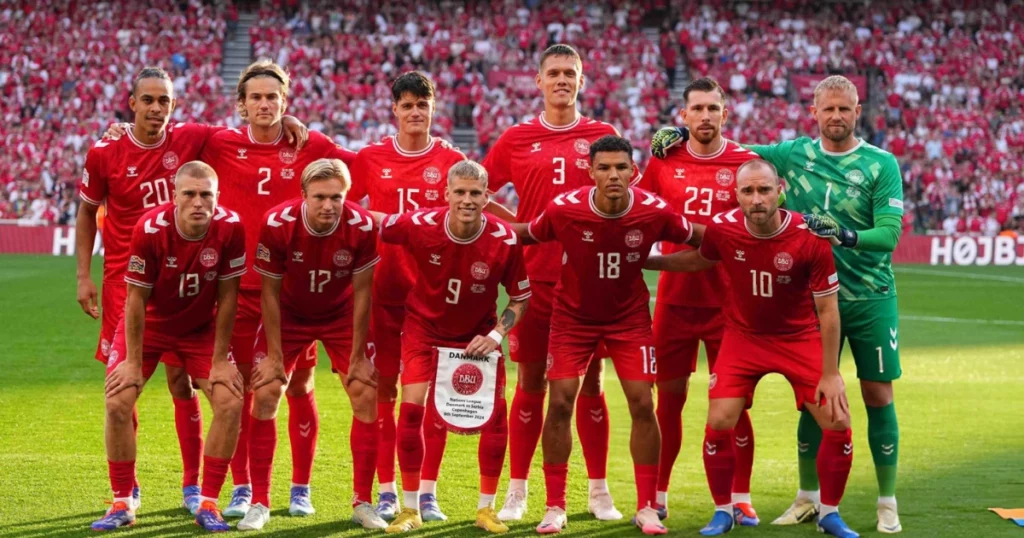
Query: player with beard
[
  {"x": 400, "y": 174},
  {"x": 542, "y": 158},
  {"x": 698, "y": 180}
]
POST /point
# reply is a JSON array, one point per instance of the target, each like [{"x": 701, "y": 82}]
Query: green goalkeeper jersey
[{"x": 854, "y": 188}]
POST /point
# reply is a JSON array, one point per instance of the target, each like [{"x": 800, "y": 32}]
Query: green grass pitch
[{"x": 960, "y": 405}]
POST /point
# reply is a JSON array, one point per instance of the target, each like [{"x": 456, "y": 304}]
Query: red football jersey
[
  {"x": 397, "y": 182},
  {"x": 131, "y": 178},
  {"x": 602, "y": 279},
  {"x": 183, "y": 272},
  {"x": 317, "y": 268},
  {"x": 455, "y": 294},
  {"x": 543, "y": 161},
  {"x": 255, "y": 177},
  {"x": 699, "y": 187},
  {"x": 772, "y": 278}
]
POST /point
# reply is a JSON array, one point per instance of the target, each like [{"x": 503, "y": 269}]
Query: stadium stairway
[
  {"x": 682, "y": 67},
  {"x": 237, "y": 52},
  {"x": 464, "y": 138}
]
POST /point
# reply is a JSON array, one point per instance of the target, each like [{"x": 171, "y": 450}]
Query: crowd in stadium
[{"x": 947, "y": 80}]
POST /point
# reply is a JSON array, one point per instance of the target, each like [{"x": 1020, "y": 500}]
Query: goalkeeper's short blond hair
[{"x": 836, "y": 83}]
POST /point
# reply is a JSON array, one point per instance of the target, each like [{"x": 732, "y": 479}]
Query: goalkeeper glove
[
  {"x": 667, "y": 138},
  {"x": 826, "y": 227}
]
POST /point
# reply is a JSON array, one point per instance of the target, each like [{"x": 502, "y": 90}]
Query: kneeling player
[
  {"x": 183, "y": 274},
  {"x": 607, "y": 232},
  {"x": 780, "y": 275},
  {"x": 316, "y": 255},
  {"x": 462, "y": 257}
]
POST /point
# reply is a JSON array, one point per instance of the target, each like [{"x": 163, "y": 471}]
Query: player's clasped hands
[
  {"x": 832, "y": 396},
  {"x": 125, "y": 375},
  {"x": 362, "y": 370},
  {"x": 225, "y": 373}
]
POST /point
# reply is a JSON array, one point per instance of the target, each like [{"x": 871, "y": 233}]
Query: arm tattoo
[{"x": 508, "y": 317}]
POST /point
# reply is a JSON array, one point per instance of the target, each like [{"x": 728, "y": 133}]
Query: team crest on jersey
[
  {"x": 385, "y": 173},
  {"x": 513, "y": 343},
  {"x": 210, "y": 275},
  {"x": 241, "y": 153},
  {"x": 480, "y": 271},
  {"x": 287, "y": 155},
  {"x": 633, "y": 257},
  {"x": 133, "y": 171},
  {"x": 208, "y": 257},
  {"x": 478, "y": 288},
  {"x": 258, "y": 357},
  {"x": 137, "y": 265},
  {"x": 724, "y": 177},
  {"x": 113, "y": 358},
  {"x": 783, "y": 261},
  {"x": 105, "y": 347},
  {"x": 170, "y": 160},
  {"x": 634, "y": 238},
  {"x": 432, "y": 175},
  {"x": 287, "y": 173},
  {"x": 582, "y": 146},
  {"x": 467, "y": 379},
  {"x": 855, "y": 176},
  {"x": 85, "y": 178},
  {"x": 343, "y": 258},
  {"x": 431, "y": 195},
  {"x": 723, "y": 196},
  {"x": 262, "y": 252}
]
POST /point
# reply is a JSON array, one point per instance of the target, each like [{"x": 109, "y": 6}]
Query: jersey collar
[
  {"x": 315, "y": 233},
  {"x": 405, "y": 153},
  {"x": 544, "y": 123},
  {"x": 248, "y": 132},
  {"x": 137, "y": 142},
  {"x": 840, "y": 153},
  {"x": 715, "y": 155},
  {"x": 787, "y": 217},
  {"x": 458, "y": 241},
  {"x": 598, "y": 212},
  {"x": 182, "y": 234}
]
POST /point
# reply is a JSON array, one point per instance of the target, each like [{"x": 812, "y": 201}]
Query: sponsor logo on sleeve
[{"x": 137, "y": 265}]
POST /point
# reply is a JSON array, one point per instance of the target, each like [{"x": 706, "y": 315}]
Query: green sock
[
  {"x": 808, "y": 437},
  {"x": 884, "y": 439}
]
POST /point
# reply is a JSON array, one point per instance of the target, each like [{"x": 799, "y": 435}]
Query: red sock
[
  {"x": 719, "y": 464},
  {"x": 240, "y": 461},
  {"x": 363, "y": 442},
  {"x": 490, "y": 452},
  {"x": 646, "y": 477},
  {"x": 122, "y": 477},
  {"x": 670, "y": 419},
  {"x": 262, "y": 444},
  {"x": 386, "y": 442},
  {"x": 135, "y": 432},
  {"x": 215, "y": 470},
  {"x": 525, "y": 425},
  {"x": 555, "y": 475},
  {"x": 188, "y": 420},
  {"x": 303, "y": 429},
  {"x": 410, "y": 445},
  {"x": 835, "y": 457},
  {"x": 435, "y": 437},
  {"x": 744, "y": 449},
  {"x": 592, "y": 427}
]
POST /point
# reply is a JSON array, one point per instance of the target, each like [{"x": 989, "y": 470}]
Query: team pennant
[{"x": 1015, "y": 515}]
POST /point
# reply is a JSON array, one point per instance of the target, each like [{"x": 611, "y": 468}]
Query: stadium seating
[{"x": 946, "y": 79}]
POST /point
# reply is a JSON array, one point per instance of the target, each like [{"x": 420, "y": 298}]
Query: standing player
[
  {"x": 261, "y": 170},
  {"x": 607, "y": 232},
  {"x": 183, "y": 271},
  {"x": 698, "y": 181},
  {"x": 401, "y": 174},
  {"x": 772, "y": 328},
  {"x": 855, "y": 192},
  {"x": 543, "y": 158},
  {"x": 461, "y": 257},
  {"x": 316, "y": 255}
]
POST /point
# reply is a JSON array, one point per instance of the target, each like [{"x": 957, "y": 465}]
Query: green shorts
[{"x": 872, "y": 328}]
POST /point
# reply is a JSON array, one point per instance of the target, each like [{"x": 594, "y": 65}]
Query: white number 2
[
  {"x": 650, "y": 363},
  {"x": 559, "y": 163},
  {"x": 264, "y": 179},
  {"x": 454, "y": 288}
]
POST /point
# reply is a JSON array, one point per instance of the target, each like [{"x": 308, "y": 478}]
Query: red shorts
[
  {"x": 194, "y": 351},
  {"x": 386, "y": 327},
  {"x": 297, "y": 336},
  {"x": 419, "y": 357},
  {"x": 112, "y": 298},
  {"x": 247, "y": 323},
  {"x": 528, "y": 340},
  {"x": 629, "y": 342},
  {"x": 744, "y": 360},
  {"x": 678, "y": 331}
]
